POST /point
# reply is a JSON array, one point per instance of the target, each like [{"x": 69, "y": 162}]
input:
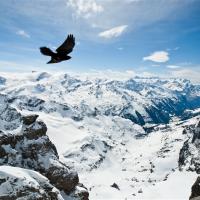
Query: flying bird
[{"x": 61, "y": 52}]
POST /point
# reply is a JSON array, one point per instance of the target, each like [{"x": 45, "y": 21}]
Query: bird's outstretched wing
[
  {"x": 67, "y": 46},
  {"x": 46, "y": 51}
]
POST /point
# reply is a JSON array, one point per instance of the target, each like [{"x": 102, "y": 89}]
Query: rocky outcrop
[
  {"x": 19, "y": 183},
  {"x": 189, "y": 156},
  {"x": 195, "y": 193},
  {"x": 9, "y": 117},
  {"x": 32, "y": 149}
]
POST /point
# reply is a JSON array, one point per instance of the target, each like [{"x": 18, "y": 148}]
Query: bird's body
[{"x": 61, "y": 52}]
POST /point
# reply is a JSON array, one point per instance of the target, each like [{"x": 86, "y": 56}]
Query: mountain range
[{"x": 126, "y": 139}]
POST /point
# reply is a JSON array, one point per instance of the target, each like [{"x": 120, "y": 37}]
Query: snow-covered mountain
[
  {"x": 125, "y": 138},
  {"x": 142, "y": 100}
]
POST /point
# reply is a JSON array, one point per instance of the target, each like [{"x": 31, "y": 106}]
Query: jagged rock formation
[
  {"x": 195, "y": 194},
  {"x": 189, "y": 157},
  {"x": 9, "y": 117},
  {"x": 24, "y": 184},
  {"x": 32, "y": 149}
]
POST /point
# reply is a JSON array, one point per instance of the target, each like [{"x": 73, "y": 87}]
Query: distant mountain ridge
[{"x": 142, "y": 100}]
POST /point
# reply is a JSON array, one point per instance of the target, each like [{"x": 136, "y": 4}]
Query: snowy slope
[
  {"x": 109, "y": 150},
  {"x": 95, "y": 125}
]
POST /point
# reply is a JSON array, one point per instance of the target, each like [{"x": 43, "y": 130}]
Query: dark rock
[
  {"x": 114, "y": 185},
  {"x": 32, "y": 149},
  {"x": 29, "y": 119},
  {"x": 196, "y": 132},
  {"x": 2, "y": 152},
  {"x": 184, "y": 131},
  {"x": 140, "y": 191},
  {"x": 184, "y": 153},
  {"x": 195, "y": 189},
  {"x": 2, "y": 180},
  {"x": 34, "y": 131},
  {"x": 62, "y": 178},
  {"x": 190, "y": 152}
]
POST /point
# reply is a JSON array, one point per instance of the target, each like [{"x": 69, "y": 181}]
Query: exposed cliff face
[
  {"x": 189, "y": 157},
  {"x": 31, "y": 149},
  {"x": 195, "y": 192}
]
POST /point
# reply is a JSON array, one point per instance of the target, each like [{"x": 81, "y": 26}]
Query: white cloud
[
  {"x": 23, "y": 33},
  {"x": 158, "y": 56},
  {"x": 86, "y": 17},
  {"x": 107, "y": 74},
  {"x": 113, "y": 32},
  {"x": 173, "y": 66},
  {"x": 191, "y": 74},
  {"x": 85, "y": 8}
]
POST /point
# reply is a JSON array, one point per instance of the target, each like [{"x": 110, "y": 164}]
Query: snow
[
  {"x": 21, "y": 178},
  {"x": 105, "y": 148},
  {"x": 175, "y": 188},
  {"x": 129, "y": 159}
]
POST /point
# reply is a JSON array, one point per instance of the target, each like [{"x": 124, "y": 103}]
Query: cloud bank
[{"x": 191, "y": 74}]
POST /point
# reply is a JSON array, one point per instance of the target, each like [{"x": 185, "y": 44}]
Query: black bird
[{"x": 62, "y": 51}]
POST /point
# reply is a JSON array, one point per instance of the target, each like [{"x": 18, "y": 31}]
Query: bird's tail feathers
[{"x": 46, "y": 51}]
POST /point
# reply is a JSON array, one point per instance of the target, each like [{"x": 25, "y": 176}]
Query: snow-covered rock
[
  {"x": 31, "y": 149},
  {"x": 9, "y": 117},
  {"x": 142, "y": 100},
  {"x": 24, "y": 184},
  {"x": 122, "y": 136},
  {"x": 195, "y": 193},
  {"x": 189, "y": 157}
]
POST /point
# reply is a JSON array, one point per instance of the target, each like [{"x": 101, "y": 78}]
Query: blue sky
[{"x": 155, "y": 37}]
